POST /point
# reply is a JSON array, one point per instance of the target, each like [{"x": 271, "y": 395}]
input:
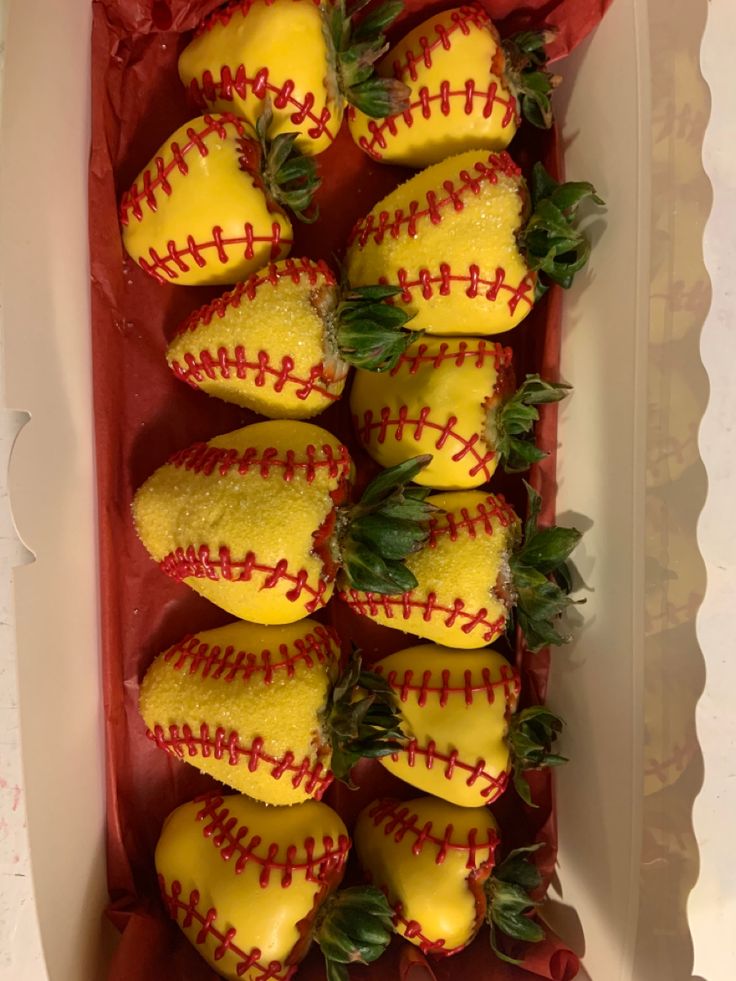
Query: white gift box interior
[{"x": 629, "y": 474}]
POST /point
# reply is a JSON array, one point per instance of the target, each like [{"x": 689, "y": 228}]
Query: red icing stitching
[
  {"x": 134, "y": 198},
  {"x": 182, "y": 741},
  {"x": 462, "y": 20},
  {"x": 446, "y": 431},
  {"x": 224, "y": 15},
  {"x": 224, "y": 830},
  {"x": 494, "y": 506},
  {"x": 426, "y": 281},
  {"x": 376, "y": 228},
  {"x": 399, "y": 821},
  {"x": 226, "y": 941},
  {"x": 413, "y": 929},
  {"x": 508, "y": 681},
  {"x": 197, "y": 657},
  {"x": 196, "y": 563},
  {"x": 430, "y": 753},
  {"x": 161, "y": 263},
  {"x": 413, "y": 359},
  {"x": 371, "y": 604},
  {"x": 679, "y": 759},
  {"x": 201, "y": 458},
  {"x": 293, "y": 269},
  {"x": 225, "y": 364},
  {"x": 470, "y": 93}
]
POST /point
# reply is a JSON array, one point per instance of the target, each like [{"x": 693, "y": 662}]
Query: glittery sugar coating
[
  {"x": 265, "y": 686},
  {"x": 404, "y": 846},
  {"x": 447, "y": 239},
  {"x": 460, "y": 100},
  {"x": 263, "y": 344},
  {"x": 236, "y": 518},
  {"x": 461, "y": 572}
]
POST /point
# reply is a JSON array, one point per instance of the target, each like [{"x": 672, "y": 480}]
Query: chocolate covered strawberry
[
  {"x": 257, "y": 521},
  {"x": 453, "y": 398},
  {"x": 469, "y": 246},
  {"x": 436, "y": 865},
  {"x": 267, "y": 710},
  {"x": 475, "y": 571},
  {"x": 309, "y": 59},
  {"x": 210, "y": 206},
  {"x": 253, "y": 886},
  {"x": 468, "y": 90},
  {"x": 282, "y": 342},
  {"x": 462, "y": 740}
]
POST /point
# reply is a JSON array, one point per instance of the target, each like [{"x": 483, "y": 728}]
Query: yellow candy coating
[
  {"x": 235, "y": 518},
  {"x": 456, "y": 602},
  {"x": 435, "y": 400},
  {"x": 263, "y": 344},
  {"x": 194, "y": 217},
  {"x": 454, "y": 66},
  {"x": 422, "y": 853},
  {"x": 244, "y": 704},
  {"x": 447, "y": 239},
  {"x": 233, "y": 868},
  {"x": 455, "y": 706},
  {"x": 268, "y": 49}
]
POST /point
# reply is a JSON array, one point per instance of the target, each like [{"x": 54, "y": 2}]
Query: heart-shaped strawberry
[
  {"x": 208, "y": 208},
  {"x": 305, "y": 58},
  {"x": 468, "y": 90},
  {"x": 462, "y": 243},
  {"x": 473, "y": 571},
  {"x": 255, "y": 521},
  {"x": 251, "y": 886},
  {"x": 434, "y": 862},
  {"x": 266, "y": 710},
  {"x": 462, "y": 740},
  {"x": 281, "y": 342},
  {"x": 454, "y": 399}
]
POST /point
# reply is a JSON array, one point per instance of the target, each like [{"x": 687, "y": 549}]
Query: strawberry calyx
[
  {"x": 540, "y": 577},
  {"x": 354, "y": 48},
  {"x": 527, "y": 76},
  {"x": 362, "y": 719},
  {"x": 551, "y": 243},
  {"x": 287, "y": 176},
  {"x": 353, "y": 926},
  {"x": 389, "y": 523},
  {"x": 510, "y": 905},
  {"x": 510, "y": 422},
  {"x": 530, "y": 737}
]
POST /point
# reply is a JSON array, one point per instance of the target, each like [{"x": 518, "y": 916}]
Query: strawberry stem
[
  {"x": 370, "y": 331},
  {"x": 551, "y": 244},
  {"x": 290, "y": 178},
  {"x": 509, "y": 902},
  {"x": 510, "y": 423},
  {"x": 353, "y": 926},
  {"x": 527, "y": 76},
  {"x": 530, "y": 737}
]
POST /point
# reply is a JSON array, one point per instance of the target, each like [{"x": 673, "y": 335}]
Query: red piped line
[
  {"x": 494, "y": 506},
  {"x": 226, "y": 940},
  {"x": 452, "y": 763},
  {"x": 201, "y": 458},
  {"x": 233, "y": 841},
  {"x": 294, "y": 269},
  {"x": 195, "y": 562},
  {"x": 379, "y": 428},
  {"x": 426, "y": 103},
  {"x": 427, "y": 281},
  {"x": 160, "y": 266},
  {"x": 156, "y": 177},
  {"x": 370, "y": 604},
  {"x": 194, "y": 656},
  {"x": 463, "y": 20},
  {"x": 398, "y": 821},
  {"x": 375, "y": 228},
  {"x": 406, "y": 685},
  {"x": 482, "y": 351},
  {"x": 225, "y": 14},
  {"x": 181, "y": 742},
  {"x": 227, "y": 364}
]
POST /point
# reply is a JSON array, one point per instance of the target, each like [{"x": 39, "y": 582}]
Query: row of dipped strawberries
[{"x": 263, "y": 521}]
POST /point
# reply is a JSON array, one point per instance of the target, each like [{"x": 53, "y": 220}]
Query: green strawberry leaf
[
  {"x": 370, "y": 332},
  {"x": 509, "y": 425},
  {"x": 353, "y": 926},
  {"x": 510, "y": 907}
]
